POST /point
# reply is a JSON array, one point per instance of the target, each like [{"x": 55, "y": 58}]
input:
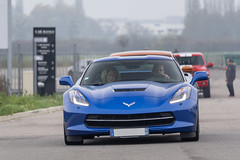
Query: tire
[
  {"x": 206, "y": 91},
  {"x": 67, "y": 142},
  {"x": 191, "y": 136}
]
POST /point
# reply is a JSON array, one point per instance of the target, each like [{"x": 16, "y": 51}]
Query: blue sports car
[{"x": 131, "y": 96}]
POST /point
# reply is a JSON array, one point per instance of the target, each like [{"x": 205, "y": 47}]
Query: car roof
[
  {"x": 117, "y": 58},
  {"x": 188, "y": 54},
  {"x": 143, "y": 53}
]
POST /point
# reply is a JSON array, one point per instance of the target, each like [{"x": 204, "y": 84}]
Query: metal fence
[
  {"x": 69, "y": 64},
  {"x": 64, "y": 66},
  {"x": 216, "y": 58}
]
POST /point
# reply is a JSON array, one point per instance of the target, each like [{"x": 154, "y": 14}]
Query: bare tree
[
  {"x": 214, "y": 20},
  {"x": 192, "y": 6},
  {"x": 123, "y": 41}
]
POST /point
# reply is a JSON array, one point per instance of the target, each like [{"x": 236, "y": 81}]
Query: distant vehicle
[
  {"x": 131, "y": 96},
  {"x": 79, "y": 69},
  {"x": 142, "y": 53},
  {"x": 197, "y": 62},
  {"x": 188, "y": 76}
]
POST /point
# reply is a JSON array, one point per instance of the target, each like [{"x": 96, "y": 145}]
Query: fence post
[
  {"x": 19, "y": 69},
  {"x": 223, "y": 60},
  {"x": 74, "y": 58},
  {"x": 75, "y": 63}
]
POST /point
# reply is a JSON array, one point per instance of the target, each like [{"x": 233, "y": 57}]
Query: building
[{"x": 162, "y": 27}]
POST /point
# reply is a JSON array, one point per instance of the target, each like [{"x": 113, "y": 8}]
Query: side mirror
[
  {"x": 66, "y": 80},
  {"x": 210, "y": 64},
  {"x": 199, "y": 76},
  {"x": 187, "y": 69}
]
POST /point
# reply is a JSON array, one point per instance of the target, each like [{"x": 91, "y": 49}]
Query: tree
[
  {"x": 123, "y": 41},
  {"x": 70, "y": 22},
  {"x": 214, "y": 20}
]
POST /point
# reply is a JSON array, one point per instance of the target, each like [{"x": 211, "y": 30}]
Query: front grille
[{"x": 129, "y": 120}]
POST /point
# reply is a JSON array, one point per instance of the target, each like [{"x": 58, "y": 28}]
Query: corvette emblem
[{"x": 129, "y": 105}]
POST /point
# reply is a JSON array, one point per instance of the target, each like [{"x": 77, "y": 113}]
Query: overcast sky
[{"x": 131, "y": 9}]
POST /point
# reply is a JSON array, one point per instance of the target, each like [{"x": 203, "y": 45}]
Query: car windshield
[
  {"x": 194, "y": 60},
  {"x": 162, "y": 71}
]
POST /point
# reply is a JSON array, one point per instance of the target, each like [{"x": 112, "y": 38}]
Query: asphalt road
[{"x": 41, "y": 137}]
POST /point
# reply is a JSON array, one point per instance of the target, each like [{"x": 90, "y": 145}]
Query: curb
[{"x": 30, "y": 113}]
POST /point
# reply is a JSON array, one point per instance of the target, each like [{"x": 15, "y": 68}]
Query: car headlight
[
  {"x": 181, "y": 95},
  {"x": 77, "y": 98}
]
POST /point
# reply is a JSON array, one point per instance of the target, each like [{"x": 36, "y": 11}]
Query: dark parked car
[{"x": 75, "y": 71}]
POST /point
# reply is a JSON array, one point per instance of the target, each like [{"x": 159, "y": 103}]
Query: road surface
[{"x": 41, "y": 137}]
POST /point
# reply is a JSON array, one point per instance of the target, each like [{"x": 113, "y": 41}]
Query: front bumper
[
  {"x": 185, "y": 114},
  {"x": 202, "y": 84}
]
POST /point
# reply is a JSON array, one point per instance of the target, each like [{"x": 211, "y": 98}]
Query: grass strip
[{"x": 14, "y": 104}]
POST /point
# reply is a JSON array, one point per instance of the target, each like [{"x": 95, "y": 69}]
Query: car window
[
  {"x": 194, "y": 60},
  {"x": 100, "y": 73}
]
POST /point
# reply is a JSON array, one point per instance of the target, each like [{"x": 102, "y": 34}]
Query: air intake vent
[
  {"x": 129, "y": 120},
  {"x": 129, "y": 89}
]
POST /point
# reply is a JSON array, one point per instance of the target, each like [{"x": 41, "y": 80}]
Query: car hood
[
  {"x": 124, "y": 97},
  {"x": 132, "y": 89}
]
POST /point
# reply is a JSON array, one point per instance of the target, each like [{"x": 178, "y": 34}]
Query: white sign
[{"x": 3, "y": 24}]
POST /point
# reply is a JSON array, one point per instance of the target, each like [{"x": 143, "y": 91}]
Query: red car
[{"x": 197, "y": 62}]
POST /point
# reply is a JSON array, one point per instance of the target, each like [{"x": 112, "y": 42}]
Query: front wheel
[
  {"x": 206, "y": 91},
  {"x": 72, "y": 140},
  {"x": 191, "y": 136}
]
